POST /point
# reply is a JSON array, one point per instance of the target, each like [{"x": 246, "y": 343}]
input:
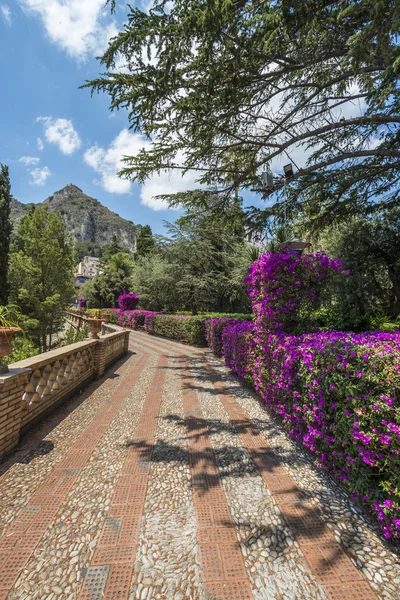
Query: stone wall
[{"x": 35, "y": 386}]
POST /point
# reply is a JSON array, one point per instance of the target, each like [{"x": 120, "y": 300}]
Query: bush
[
  {"x": 183, "y": 328},
  {"x": 285, "y": 289},
  {"x": 128, "y": 301},
  {"x": 133, "y": 318},
  {"x": 22, "y": 348},
  {"x": 236, "y": 342},
  {"x": 72, "y": 336},
  {"x": 337, "y": 395},
  {"x": 214, "y": 330}
]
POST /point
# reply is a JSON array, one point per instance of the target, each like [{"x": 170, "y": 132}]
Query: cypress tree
[{"x": 5, "y": 231}]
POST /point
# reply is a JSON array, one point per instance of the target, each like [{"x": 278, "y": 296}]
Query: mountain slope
[{"x": 86, "y": 218}]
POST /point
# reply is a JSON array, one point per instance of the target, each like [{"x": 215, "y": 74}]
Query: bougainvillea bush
[
  {"x": 286, "y": 288},
  {"x": 214, "y": 330},
  {"x": 128, "y": 301},
  {"x": 133, "y": 318},
  {"x": 183, "y": 328},
  {"x": 338, "y": 394}
]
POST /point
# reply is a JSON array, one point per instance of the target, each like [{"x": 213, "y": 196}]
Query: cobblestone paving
[{"x": 169, "y": 480}]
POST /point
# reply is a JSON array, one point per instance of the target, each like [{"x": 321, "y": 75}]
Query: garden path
[{"x": 167, "y": 479}]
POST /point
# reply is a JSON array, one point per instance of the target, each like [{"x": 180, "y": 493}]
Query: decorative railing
[{"x": 36, "y": 385}]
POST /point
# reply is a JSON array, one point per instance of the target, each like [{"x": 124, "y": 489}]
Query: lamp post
[{"x": 295, "y": 244}]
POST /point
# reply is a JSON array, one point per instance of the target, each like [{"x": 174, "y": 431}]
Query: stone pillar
[
  {"x": 126, "y": 342},
  {"x": 100, "y": 357},
  {"x": 12, "y": 387}
]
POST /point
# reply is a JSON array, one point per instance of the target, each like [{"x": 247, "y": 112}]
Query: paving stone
[{"x": 172, "y": 481}]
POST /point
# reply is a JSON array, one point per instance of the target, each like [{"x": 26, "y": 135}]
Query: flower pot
[
  {"x": 94, "y": 328},
  {"x": 6, "y": 334}
]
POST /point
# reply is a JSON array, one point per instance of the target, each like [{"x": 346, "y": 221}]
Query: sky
[{"x": 51, "y": 132}]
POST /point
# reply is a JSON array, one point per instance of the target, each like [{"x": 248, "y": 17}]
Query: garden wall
[{"x": 37, "y": 385}]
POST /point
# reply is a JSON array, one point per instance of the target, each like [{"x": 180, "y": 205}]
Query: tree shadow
[{"x": 210, "y": 467}]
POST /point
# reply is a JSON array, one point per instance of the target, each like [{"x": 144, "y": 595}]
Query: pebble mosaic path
[{"x": 167, "y": 479}]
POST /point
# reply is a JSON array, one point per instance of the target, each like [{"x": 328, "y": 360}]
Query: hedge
[
  {"x": 183, "y": 328},
  {"x": 214, "y": 329},
  {"x": 338, "y": 394}
]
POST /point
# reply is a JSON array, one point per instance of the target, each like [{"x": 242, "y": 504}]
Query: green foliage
[
  {"x": 370, "y": 248},
  {"x": 5, "y": 232},
  {"x": 114, "y": 247},
  {"x": 145, "y": 243},
  {"x": 200, "y": 267},
  {"x": 41, "y": 273},
  {"x": 72, "y": 336},
  {"x": 22, "y": 348},
  {"x": 234, "y": 86},
  {"x": 10, "y": 315},
  {"x": 108, "y": 285},
  {"x": 154, "y": 280},
  {"x": 190, "y": 330},
  {"x": 83, "y": 249}
]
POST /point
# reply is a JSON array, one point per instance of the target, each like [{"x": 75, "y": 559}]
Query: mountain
[{"x": 86, "y": 218}]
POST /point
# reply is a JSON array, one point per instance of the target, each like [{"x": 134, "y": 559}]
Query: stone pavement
[{"x": 167, "y": 479}]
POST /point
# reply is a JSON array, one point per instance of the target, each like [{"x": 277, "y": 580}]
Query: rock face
[{"x": 86, "y": 218}]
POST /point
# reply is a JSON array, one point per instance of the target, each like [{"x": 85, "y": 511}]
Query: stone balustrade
[{"x": 36, "y": 385}]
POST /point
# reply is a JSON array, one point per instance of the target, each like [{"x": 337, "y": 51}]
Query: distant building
[{"x": 87, "y": 269}]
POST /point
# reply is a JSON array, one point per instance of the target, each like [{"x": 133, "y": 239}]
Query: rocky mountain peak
[{"x": 85, "y": 217}]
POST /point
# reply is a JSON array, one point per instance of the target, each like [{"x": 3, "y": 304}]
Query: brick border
[
  {"x": 112, "y": 565},
  {"x": 20, "y": 540},
  {"x": 222, "y": 564}
]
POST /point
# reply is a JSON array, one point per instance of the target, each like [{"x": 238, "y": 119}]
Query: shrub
[
  {"x": 93, "y": 313},
  {"x": 236, "y": 342},
  {"x": 286, "y": 288},
  {"x": 128, "y": 301},
  {"x": 337, "y": 394},
  {"x": 22, "y": 348},
  {"x": 133, "y": 318},
  {"x": 183, "y": 328},
  {"x": 72, "y": 336},
  {"x": 214, "y": 330}
]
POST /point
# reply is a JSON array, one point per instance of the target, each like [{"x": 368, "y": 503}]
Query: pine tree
[
  {"x": 41, "y": 272},
  {"x": 237, "y": 88},
  {"x": 145, "y": 242},
  {"x": 5, "y": 232}
]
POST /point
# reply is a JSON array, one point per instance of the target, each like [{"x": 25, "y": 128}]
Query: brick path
[{"x": 169, "y": 480}]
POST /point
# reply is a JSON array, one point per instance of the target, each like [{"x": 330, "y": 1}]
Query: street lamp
[
  {"x": 288, "y": 170},
  {"x": 295, "y": 244}
]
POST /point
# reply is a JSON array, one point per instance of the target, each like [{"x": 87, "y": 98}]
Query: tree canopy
[
  {"x": 41, "y": 272},
  {"x": 228, "y": 88}
]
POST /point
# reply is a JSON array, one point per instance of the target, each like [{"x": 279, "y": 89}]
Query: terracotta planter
[
  {"x": 6, "y": 334},
  {"x": 95, "y": 328}
]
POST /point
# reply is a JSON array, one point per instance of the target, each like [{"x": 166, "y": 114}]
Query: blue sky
[{"x": 52, "y": 133}]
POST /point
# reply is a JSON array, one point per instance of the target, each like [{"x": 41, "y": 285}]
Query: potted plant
[
  {"x": 94, "y": 324},
  {"x": 8, "y": 326}
]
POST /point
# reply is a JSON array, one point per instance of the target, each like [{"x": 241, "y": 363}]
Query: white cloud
[
  {"x": 29, "y": 160},
  {"x": 62, "y": 133},
  {"x": 168, "y": 182},
  {"x": 80, "y": 27},
  {"x": 107, "y": 162},
  {"x": 5, "y": 13},
  {"x": 39, "y": 176},
  {"x": 39, "y": 143}
]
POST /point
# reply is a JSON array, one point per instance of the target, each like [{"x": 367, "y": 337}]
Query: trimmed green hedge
[{"x": 190, "y": 330}]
